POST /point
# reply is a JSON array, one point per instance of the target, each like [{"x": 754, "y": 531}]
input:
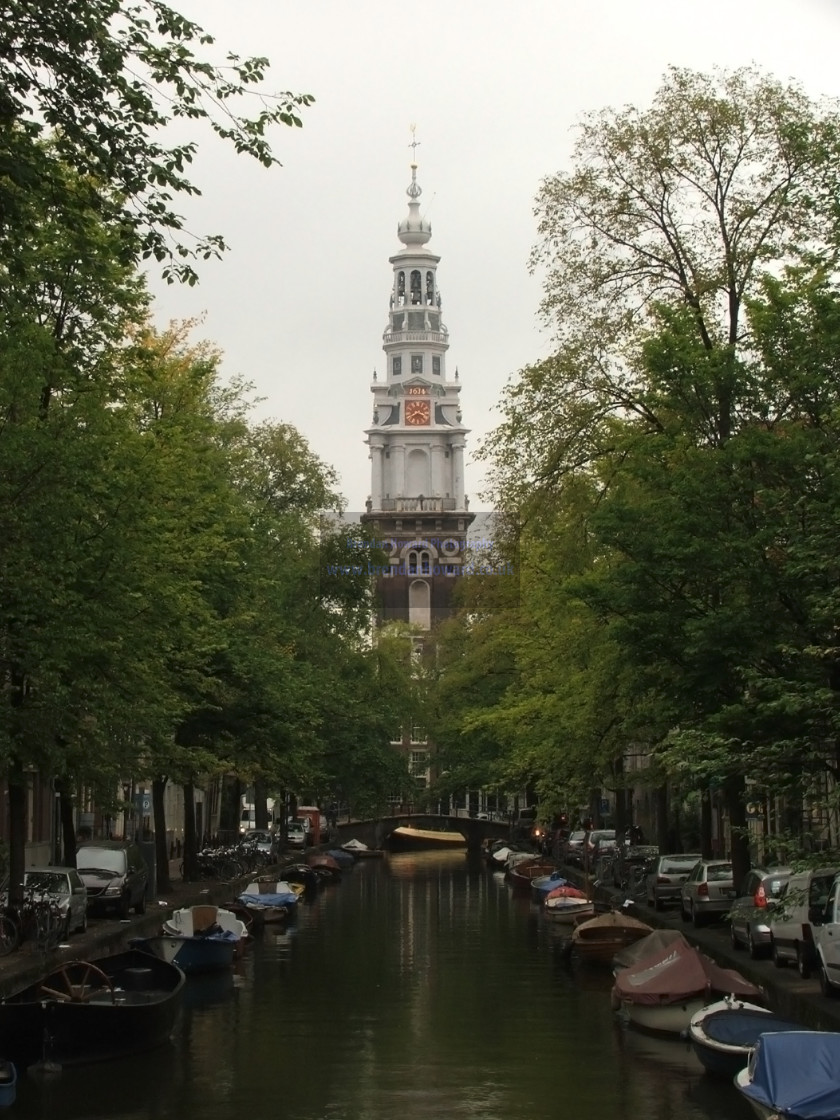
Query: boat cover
[
  {"x": 796, "y": 1074},
  {"x": 645, "y": 946},
  {"x": 611, "y": 924},
  {"x": 741, "y": 1026},
  {"x": 549, "y": 883},
  {"x": 676, "y": 973}
]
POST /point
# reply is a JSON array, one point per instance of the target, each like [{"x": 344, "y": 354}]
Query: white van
[{"x": 800, "y": 906}]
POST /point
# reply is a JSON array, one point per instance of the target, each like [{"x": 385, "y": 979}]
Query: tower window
[
  {"x": 436, "y": 364},
  {"x": 416, "y": 363},
  {"x": 416, "y": 290},
  {"x": 430, "y": 288},
  {"x": 396, "y": 366}
]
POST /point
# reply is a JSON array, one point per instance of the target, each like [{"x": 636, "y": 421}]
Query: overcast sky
[{"x": 300, "y": 301}]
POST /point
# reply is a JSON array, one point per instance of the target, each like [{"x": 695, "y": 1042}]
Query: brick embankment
[
  {"x": 787, "y": 993},
  {"x": 105, "y": 936}
]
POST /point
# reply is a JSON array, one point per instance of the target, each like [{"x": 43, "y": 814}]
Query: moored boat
[
  {"x": 793, "y": 1074},
  {"x": 545, "y": 884},
  {"x": 8, "y": 1084},
  {"x": 568, "y": 904},
  {"x": 723, "y": 1034},
  {"x": 87, "y": 1011},
  {"x": 361, "y": 851},
  {"x": 343, "y": 858},
  {"x": 200, "y": 938},
  {"x": 272, "y": 900},
  {"x": 598, "y": 939},
  {"x": 662, "y": 991},
  {"x": 407, "y": 837},
  {"x": 521, "y": 875}
]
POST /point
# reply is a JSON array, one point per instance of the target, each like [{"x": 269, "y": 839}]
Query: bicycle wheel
[
  {"x": 47, "y": 932},
  {"x": 9, "y": 935}
]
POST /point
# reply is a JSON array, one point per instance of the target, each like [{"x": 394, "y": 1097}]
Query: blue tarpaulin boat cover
[
  {"x": 797, "y": 1074},
  {"x": 738, "y": 1026}
]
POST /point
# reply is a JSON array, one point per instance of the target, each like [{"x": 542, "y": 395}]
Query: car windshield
[
  {"x": 101, "y": 859},
  {"x": 576, "y": 837},
  {"x": 717, "y": 872},
  {"x": 677, "y": 866},
  {"x": 46, "y": 881}
]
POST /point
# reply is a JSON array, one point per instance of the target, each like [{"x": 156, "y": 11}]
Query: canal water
[{"x": 419, "y": 986}]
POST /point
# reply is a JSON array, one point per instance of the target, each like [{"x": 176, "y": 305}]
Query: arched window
[
  {"x": 430, "y": 288},
  {"x": 420, "y": 604},
  {"x": 400, "y": 289},
  {"x": 425, "y": 564},
  {"x": 412, "y": 563},
  {"x": 416, "y": 290}
]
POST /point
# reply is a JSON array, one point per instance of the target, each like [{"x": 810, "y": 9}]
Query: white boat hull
[
  {"x": 664, "y": 1018},
  {"x": 742, "y": 1078}
]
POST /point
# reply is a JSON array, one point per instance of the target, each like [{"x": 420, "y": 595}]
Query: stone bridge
[{"x": 375, "y": 832}]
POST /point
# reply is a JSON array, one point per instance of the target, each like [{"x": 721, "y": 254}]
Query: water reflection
[{"x": 417, "y": 987}]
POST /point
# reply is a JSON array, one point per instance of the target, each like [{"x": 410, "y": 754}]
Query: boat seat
[{"x": 203, "y": 916}]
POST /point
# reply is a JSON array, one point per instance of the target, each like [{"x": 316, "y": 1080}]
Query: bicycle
[{"x": 37, "y": 919}]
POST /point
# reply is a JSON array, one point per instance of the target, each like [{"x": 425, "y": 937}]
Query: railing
[
  {"x": 417, "y": 505},
  {"x": 414, "y": 336}
]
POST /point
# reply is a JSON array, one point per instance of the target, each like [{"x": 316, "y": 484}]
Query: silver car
[
  {"x": 64, "y": 886},
  {"x": 752, "y": 909},
  {"x": 665, "y": 877},
  {"x": 707, "y": 892}
]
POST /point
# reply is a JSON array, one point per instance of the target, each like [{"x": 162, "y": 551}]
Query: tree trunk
[
  {"x": 17, "y": 831},
  {"x": 706, "y": 849},
  {"x": 260, "y": 806},
  {"x": 190, "y": 851},
  {"x": 161, "y": 849},
  {"x": 737, "y": 810},
  {"x": 663, "y": 837},
  {"x": 68, "y": 826}
]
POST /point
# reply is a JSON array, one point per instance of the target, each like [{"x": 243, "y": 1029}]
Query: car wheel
[
  {"x": 140, "y": 908},
  {"x": 124, "y": 908},
  {"x": 83, "y": 927},
  {"x": 826, "y": 987},
  {"x": 658, "y": 904},
  {"x": 778, "y": 961},
  {"x": 803, "y": 965},
  {"x": 733, "y": 936},
  {"x": 696, "y": 919},
  {"x": 684, "y": 914}
]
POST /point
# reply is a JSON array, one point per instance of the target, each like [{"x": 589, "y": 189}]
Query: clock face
[{"x": 417, "y": 412}]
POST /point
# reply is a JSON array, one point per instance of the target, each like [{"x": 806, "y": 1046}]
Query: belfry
[{"x": 417, "y": 504}]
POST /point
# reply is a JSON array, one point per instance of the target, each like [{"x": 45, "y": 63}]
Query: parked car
[
  {"x": 116, "y": 876},
  {"x": 65, "y": 887},
  {"x": 752, "y": 908},
  {"x": 573, "y": 848},
  {"x": 666, "y": 875},
  {"x": 802, "y": 899},
  {"x": 262, "y": 840},
  {"x": 826, "y": 929},
  {"x": 296, "y": 834},
  {"x": 707, "y": 892},
  {"x": 597, "y": 843}
]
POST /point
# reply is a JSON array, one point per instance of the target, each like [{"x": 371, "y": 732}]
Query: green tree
[{"x": 104, "y": 79}]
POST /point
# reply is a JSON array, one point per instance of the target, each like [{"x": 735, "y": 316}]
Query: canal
[{"x": 417, "y": 987}]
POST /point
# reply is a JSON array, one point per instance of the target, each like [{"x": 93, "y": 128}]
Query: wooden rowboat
[{"x": 599, "y": 939}]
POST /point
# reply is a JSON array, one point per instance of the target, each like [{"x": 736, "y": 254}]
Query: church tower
[{"x": 417, "y": 506}]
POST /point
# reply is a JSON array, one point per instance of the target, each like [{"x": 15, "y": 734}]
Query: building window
[
  {"x": 412, "y": 563},
  {"x": 418, "y": 734},
  {"x": 436, "y": 364},
  {"x": 396, "y": 366},
  {"x": 416, "y": 289},
  {"x": 416, "y": 363},
  {"x": 425, "y": 564}
]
